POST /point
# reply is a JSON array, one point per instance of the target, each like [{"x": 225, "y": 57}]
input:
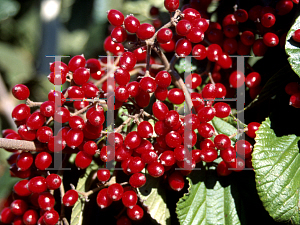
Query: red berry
[
  {"x": 243, "y": 148},
  {"x": 35, "y": 121},
  {"x": 103, "y": 174},
  {"x": 135, "y": 213},
  {"x": 51, "y": 217},
  {"x": 268, "y": 20},
  {"x": 61, "y": 115},
  {"x": 145, "y": 31},
  {"x": 44, "y": 133},
  {"x": 252, "y": 128},
  {"x": 131, "y": 24},
  {"x": 129, "y": 199},
  {"x": 76, "y": 62},
  {"x": 209, "y": 154},
  {"x": 46, "y": 201},
  {"x": 20, "y": 112},
  {"x": 155, "y": 169},
  {"x": 222, "y": 109},
  {"x": 103, "y": 200},
  {"x": 173, "y": 139},
  {"x": 83, "y": 160},
  {"x": 163, "y": 79},
  {"x": 270, "y": 39},
  {"x": 127, "y": 60},
  {"x": 115, "y": 17},
  {"x": 164, "y": 35},
  {"x": 183, "y": 47},
  {"x": 81, "y": 75},
  {"x": 160, "y": 110},
  {"x": 259, "y": 47},
  {"x": 18, "y": 207},
  {"x": 132, "y": 140},
  {"x": 236, "y": 79},
  {"x": 37, "y": 184},
  {"x": 176, "y": 96},
  {"x": 171, "y": 5},
  {"x": 20, "y": 188},
  {"x": 123, "y": 220},
  {"x": 137, "y": 180},
  {"x": 30, "y": 217},
  {"x": 176, "y": 181},
  {"x": 43, "y": 160},
  {"x": 296, "y": 35},
  {"x": 222, "y": 141},
  {"x": 283, "y": 7},
  {"x": 115, "y": 191},
  {"x": 206, "y": 130},
  {"x": 241, "y": 15},
  {"x": 47, "y": 108},
  {"x": 199, "y": 52},
  {"x": 24, "y": 161},
  {"x": 53, "y": 181},
  {"x": 118, "y": 34},
  {"x": 20, "y": 92},
  {"x": 183, "y": 27},
  {"x": 292, "y": 88},
  {"x": 222, "y": 169},
  {"x": 70, "y": 198}
]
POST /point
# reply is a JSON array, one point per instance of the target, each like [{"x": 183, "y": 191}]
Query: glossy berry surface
[
  {"x": 20, "y": 92},
  {"x": 70, "y": 198},
  {"x": 135, "y": 213}
]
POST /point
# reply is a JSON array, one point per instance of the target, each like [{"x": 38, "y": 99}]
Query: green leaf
[
  {"x": 153, "y": 197},
  {"x": 292, "y": 48},
  {"x": 276, "y": 163},
  {"x": 222, "y": 127},
  {"x": 83, "y": 185},
  {"x": 209, "y": 200}
]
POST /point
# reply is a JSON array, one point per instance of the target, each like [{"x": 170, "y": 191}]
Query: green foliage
[
  {"x": 83, "y": 185},
  {"x": 276, "y": 163},
  {"x": 153, "y": 197},
  {"x": 209, "y": 201}
]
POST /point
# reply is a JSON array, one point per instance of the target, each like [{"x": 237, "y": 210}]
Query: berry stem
[
  {"x": 147, "y": 74},
  {"x": 177, "y": 80},
  {"x": 33, "y": 104},
  {"x": 238, "y": 132}
]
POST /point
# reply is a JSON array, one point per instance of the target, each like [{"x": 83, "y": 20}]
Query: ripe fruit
[
  {"x": 20, "y": 92},
  {"x": 70, "y": 198},
  {"x": 296, "y": 35},
  {"x": 145, "y": 31},
  {"x": 115, "y": 17},
  {"x": 171, "y": 5},
  {"x": 176, "y": 181},
  {"x": 236, "y": 79}
]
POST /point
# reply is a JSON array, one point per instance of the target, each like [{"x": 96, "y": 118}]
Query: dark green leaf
[{"x": 276, "y": 163}]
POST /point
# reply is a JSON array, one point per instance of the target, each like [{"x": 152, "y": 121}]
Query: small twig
[
  {"x": 147, "y": 74},
  {"x": 125, "y": 123},
  {"x": 210, "y": 78},
  {"x": 239, "y": 131},
  {"x": 33, "y": 104}
]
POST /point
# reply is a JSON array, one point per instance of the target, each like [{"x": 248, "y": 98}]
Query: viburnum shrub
[{"x": 179, "y": 136}]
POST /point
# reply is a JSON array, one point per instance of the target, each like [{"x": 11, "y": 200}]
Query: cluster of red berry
[{"x": 161, "y": 148}]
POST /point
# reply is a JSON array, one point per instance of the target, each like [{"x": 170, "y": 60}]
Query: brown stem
[
  {"x": 33, "y": 104},
  {"x": 125, "y": 123},
  {"x": 13, "y": 144},
  {"x": 163, "y": 58},
  {"x": 147, "y": 74}
]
